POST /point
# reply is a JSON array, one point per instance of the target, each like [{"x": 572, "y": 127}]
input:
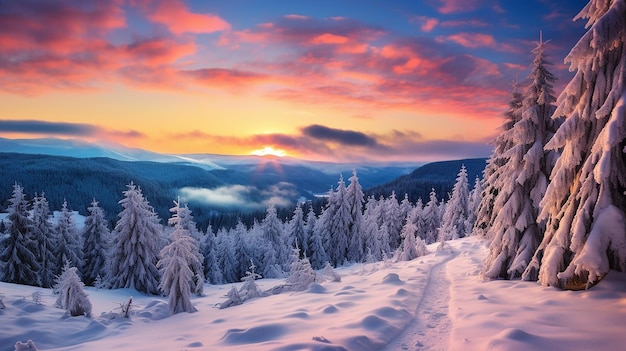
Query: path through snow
[{"x": 431, "y": 327}]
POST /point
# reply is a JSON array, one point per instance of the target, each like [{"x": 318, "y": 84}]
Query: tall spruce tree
[
  {"x": 18, "y": 262},
  {"x": 492, "y": 180},
  {"x": 69, "y": 243},
  {"x": 455, "y": 224},
  {"x": 356, "y": 239},
  {"x": 96, "y": 244},
  {"x": 339, "y": 224},
  {"x": 180, "y": 266},
  {"x": 136, "y": 244},
  {"x": 515, "y": 229},
  {"x": 584, "y": 205},
  {"x": 44, "y": 234}
]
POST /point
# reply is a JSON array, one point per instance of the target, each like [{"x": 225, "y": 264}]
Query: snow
[{"x": 435, "y": 302}]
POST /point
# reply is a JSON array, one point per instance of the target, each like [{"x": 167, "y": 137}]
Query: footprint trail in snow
[{"x": 430, "y": 329}]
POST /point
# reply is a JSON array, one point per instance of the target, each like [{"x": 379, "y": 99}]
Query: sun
[{"x": 269, "y": 151}]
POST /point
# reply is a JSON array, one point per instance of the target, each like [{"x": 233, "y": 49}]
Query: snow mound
[{"x": 254, "y": 335}]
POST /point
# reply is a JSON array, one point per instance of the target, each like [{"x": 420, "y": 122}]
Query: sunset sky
[{"x": 414, "y": 80}]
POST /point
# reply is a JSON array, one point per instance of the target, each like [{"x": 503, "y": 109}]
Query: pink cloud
[
  {"x": 455, "y": 6},
  {"x": 328, "y": 38},
  {"x": 178, "y": 19},
  {"x": 427, "y": 24},
  {"x": 473, "y": 40}
]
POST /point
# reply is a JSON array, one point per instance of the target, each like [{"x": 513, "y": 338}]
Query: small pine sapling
[
  {"x": 234, "y": 299},
  {"x": 72, "y": 298},
  {"x": 329, "y": 273},
  {"x": 26, "y": 346},
  {"x": 250, "y": 289},
  {"x": 301, "y": 274}
]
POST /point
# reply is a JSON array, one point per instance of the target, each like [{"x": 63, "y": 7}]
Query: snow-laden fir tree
[
  {"x": 339, "y": 225},
  {"x": 309, "y": 227},
  {"x": 454, "y": 223},
  {"x": 208, "y": 248},
  {"x": 322, "y": 224},
  {"x": 226, "y": 257},
  {"x": 96, "y": 244},
  {"x": 136, "y": 244},
  {"x": 430, "y": 230},
  {"x": 475, "y": 197},
  {"x": 295, "y": 229},
  {"x": 183, "y": 223},
  {"x": 392, "y": 220},
  {"x": 69, "y": 243},
  {"x": 409, "y": 249},
  {"x": 584, "y": 205},
  {"x": 371, "y": 218},
  {"x": 492, "y": 180},
  {"x": 317, "y": 253},
  {"x": 301, "y": 275},
  {"x": 249, "y": 289},
  {"x": 272, "y": 229},
  {"x": 405, "y": 208},
  {"x": 515, "y": 229},
  {"x": 238, "y": 236},
  {"x": 177, "y": 264},
  {"x": 18, "y": 261},
  {"x": 72, "y": 297},
  {"x": 44, "y": 234},
  {"x": 356, "y": 239}
]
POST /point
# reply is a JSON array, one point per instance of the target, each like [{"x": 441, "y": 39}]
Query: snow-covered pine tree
[
  {"x": 430, "y": 214},
  {"x": 584, "y": 204},
  {"x": 475, "y": 197},
  {"x": 316, "y": 242},
  {"x": 249, "y": 289},
  {"x": 492, "y": 181},
  {"x": 178, "y": 280},
  {"x": 356, "y": 239},
  {"x": 408, "y": 249},
  {"x": 339, "y": 229},
  {"x": 46, "y": 238},
  {"x": 96, "y": 244},
  {"x": 296, "y": 229},
  {"x": 72, "y": 297},
  {"x": 208, "y": 248},
  {"x": 301, "y": 275},
  {"x": 69, "y": 243},
  {"x": 454, "y": 224},
  {"x": 515, "y": 229},
  {"x": 392, "y": 219},
  {"x": 322, "y": 224},
  {"x": 372, "y": 229},
  {"x": 417, "y": 216},
  {"x": 226, "y": 257},
  {"x": 237, "y": 238},
  {"x": 18, "y": 262},
  {"x": 184, "y": 224},
  {"x": 272, "y": 229},
  {"x": 309, "y": 229},
  {"x": 136, "y": 244}
]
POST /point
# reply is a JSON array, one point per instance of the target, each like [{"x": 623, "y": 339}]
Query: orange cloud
[
  {"x": 177, "y": 18},
  {"x": 328, "y": 38}
]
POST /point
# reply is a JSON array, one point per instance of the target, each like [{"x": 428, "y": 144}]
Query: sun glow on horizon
[{"x": 269, "y": 151}]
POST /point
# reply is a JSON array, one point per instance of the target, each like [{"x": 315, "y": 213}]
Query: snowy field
[{"x": 436, "y": 302}]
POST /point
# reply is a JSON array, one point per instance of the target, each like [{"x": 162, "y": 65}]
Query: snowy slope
[{"x": 435, "y": 302}]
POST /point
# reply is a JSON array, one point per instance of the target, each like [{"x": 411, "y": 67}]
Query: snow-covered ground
[{"x": 436, "y": 302}]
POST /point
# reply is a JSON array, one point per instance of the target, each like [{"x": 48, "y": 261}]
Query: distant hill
[
  {"x": 440, "y": 176},
  {"x": 79, "y": 180}
]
